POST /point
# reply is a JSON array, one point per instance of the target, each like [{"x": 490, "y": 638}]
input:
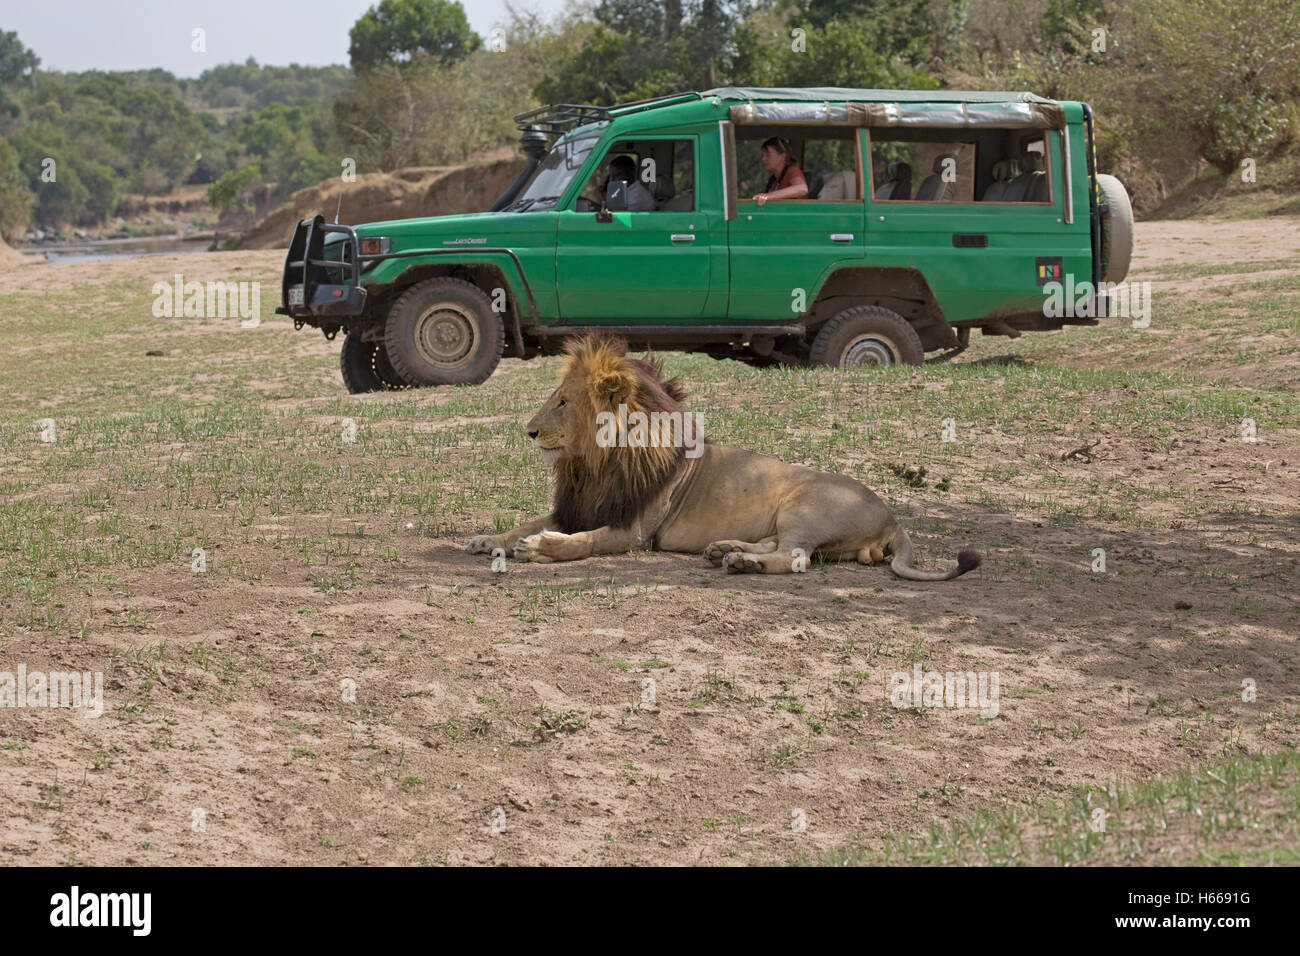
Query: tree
[
  {"x": 16, "y": 60},
  {"x": 1067, "y": 24},
  {"x": 1225, "y": 72},
  {"x": 898, "y": 27},
  {"x": 645, "y": 48},
  {"x": 845, "y": 53},
  {"x": 399, "y": 31},
  {"x": 224, "y": 194},
  {"x": 15, "y": 197}
]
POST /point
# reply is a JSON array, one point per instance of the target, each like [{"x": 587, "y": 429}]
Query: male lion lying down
[{"x": 745, "y": 512}]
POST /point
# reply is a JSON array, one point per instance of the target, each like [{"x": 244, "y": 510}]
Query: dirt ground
[{"x": 343, "y": 684}]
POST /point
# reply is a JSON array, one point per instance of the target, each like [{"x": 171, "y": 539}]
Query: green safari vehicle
[{"x": 927, "y": 214}]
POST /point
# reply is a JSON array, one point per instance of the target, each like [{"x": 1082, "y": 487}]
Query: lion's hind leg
[
  {"x": 873, "y": 553},
  {"x": 717, "y": 552},
  {"x": 775, "y": 560}
]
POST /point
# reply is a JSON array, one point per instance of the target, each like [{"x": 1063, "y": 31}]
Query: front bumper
[{"x": 315, "y": 288}]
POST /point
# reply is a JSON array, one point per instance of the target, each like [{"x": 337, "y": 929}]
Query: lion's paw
[
  {"x": 532, "y": 548},
  {"x": 739, "y": 562},
  {"x": 483, "y": 544},
  {"x": 718, "y": 550}
]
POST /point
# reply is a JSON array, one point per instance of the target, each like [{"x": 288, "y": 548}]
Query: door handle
[
  {"x": 841, "y": 237},
  {"x": 683, "y": 237}
]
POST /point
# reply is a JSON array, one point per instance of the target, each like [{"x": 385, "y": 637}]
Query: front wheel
[
  {"x": 443, "y": 332},
  {"x": 866, "y": 335},
  {"x": 365, "y": 366}
]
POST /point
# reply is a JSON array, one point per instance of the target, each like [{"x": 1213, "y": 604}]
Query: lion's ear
[{"x": 612, "y": 387}]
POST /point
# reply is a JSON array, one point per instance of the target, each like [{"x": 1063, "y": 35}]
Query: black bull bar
[{"x": 325, "y": 291}]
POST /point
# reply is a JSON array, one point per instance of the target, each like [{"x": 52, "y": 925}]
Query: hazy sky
[{"x": 138, "y": 34}]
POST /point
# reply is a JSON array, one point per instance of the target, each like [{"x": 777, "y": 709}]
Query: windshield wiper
[{"x": 523, "y": 205}]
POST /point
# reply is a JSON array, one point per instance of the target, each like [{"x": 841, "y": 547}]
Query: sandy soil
[
  {"x": 519, "y": 699},
  {"x": 1184, "y": 241}
]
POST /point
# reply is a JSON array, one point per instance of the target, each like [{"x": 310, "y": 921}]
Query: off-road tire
[
  {"x": 1116, "y": 229},
  {"x": 384, "y": 367},
  {"x": 357, "y": 362},
  {"x": 443, "y": 332},
  {"x": 866, "y": 335}
]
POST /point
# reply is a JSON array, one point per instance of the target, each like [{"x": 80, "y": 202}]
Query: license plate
[{"x": 295, "y": 295}]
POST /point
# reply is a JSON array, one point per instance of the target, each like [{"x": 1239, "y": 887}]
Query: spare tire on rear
[{"x": 1116, "y": 229}]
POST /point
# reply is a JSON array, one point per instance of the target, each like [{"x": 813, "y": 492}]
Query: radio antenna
[{"x": 339, "y": 209}]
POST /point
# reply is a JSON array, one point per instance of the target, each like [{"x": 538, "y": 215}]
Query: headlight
[{"x": 376, "y": 245}]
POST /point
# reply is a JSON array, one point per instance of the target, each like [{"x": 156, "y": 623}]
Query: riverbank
[{"x": 90, "y": 250}]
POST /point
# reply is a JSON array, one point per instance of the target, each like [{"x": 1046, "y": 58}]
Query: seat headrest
[
  {"x": 1003, "y": 170},
  {"x": 941, "y": 159},
  {"x": 898, "y": 170},
  {"x": 1032, "y": 162}
]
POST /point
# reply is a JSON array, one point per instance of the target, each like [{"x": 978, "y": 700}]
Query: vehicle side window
[
  {"x": 935, "y": 171},
  {"x": 827, "y": 158},
  {"x": 991, "y": 166},
  {"x": 660, "y": 174}
]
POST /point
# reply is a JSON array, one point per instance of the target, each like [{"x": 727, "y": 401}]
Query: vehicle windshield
[{"x": 552, "y": 177}]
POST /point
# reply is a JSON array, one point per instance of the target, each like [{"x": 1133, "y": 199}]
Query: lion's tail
[{"x": 904, "y": 557}]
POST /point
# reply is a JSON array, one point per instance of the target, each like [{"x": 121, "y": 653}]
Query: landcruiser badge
[
  {"x": 1049, "y": 269},
  {"x": 463, "y": 242}
]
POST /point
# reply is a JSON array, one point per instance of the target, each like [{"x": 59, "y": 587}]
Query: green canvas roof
[{"x": 840, "y": 94}]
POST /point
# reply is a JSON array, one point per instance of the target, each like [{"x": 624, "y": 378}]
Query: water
[{"x": 91, "y": 250}]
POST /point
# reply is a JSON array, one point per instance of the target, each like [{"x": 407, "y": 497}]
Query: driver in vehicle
[
  {"x": 638, "y": 197},
  {"x": 787, "y": 180}
]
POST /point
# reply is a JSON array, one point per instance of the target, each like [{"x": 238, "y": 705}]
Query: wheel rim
[
  {"x": 871, "y": 349},
  {"x": 445, "y": 335}
]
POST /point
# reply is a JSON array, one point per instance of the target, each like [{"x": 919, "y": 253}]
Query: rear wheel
[
  {"x": 867, "y": 335},
  {"x": 443, "y": 332}
]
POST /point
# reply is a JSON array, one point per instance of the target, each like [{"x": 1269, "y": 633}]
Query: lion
[{"x": 743, "y": 511}]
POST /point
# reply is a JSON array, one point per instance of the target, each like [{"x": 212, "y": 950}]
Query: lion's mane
[{"x": 598, "y": 486}]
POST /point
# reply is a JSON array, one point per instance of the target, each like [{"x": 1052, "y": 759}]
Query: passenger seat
[
  {"x": 1035, "y": 176},
  {"x": 934, "y": 188},
  {"x": 1031, "y": 182},
  {"x": 1004, "y": 171},
  {"x": 663, "y": 190},
  {"x": 897, "y": 184},
  {"x": 837, "y": 184}
]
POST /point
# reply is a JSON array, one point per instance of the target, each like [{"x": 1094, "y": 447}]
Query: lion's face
[{"x": 558, "y": 427}]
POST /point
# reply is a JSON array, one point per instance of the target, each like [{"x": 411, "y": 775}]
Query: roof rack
[{"x": 560, "y": 117}]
